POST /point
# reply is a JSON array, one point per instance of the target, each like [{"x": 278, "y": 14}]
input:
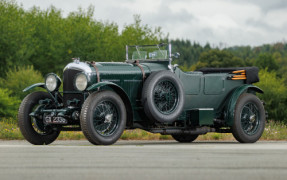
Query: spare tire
[{"x": 163, "y": 96}]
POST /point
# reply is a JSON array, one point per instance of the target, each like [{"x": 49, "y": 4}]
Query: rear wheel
[
  {"x": 249, "y": 119},
  {"x": 184, "y": 138},
  {"x": 33, "y": 128},
  {"x": 103, "y": 117}
]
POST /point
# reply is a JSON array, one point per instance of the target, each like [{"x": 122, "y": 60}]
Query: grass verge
[{"x": 273, "y": 131}]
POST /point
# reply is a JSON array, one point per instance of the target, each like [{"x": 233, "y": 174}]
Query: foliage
[
  {"x": 192, "y": 54},
  {"x": 218, "y": 58},
  {"x": 275, "y": 130},
  {"x": 274, "y": 96},
  {"x": 48, "y": 41},
  {"x": 266, "y": 60},
  {"x": 18, "y": 78},
  {"x": 15, "y": 36},
  {"x": 139, "y": 34},
  {"x": 189, "y": 52},
  {"x": 9, "y": 130},
  {"x": 8, "y": 104}
]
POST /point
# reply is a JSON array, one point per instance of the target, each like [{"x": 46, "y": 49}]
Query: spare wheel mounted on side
[{"x": 163, "y": 96}]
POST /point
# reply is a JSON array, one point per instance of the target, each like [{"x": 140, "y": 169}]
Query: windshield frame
[{"x": 158, "y": 47}]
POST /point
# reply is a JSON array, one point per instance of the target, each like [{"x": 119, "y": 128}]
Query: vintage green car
[{"x": 147, "y": 91}]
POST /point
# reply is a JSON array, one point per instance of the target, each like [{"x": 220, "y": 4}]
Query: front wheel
[
  {"x": 33, "y": 128},
  {"x": 249, "y": 119},
  {"x": 103, "y": 117}
]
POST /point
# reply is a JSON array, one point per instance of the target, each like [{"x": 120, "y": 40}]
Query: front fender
[
  {"x": 229, "y": 119},
  {"x": 114, "y": 86},
  {"x": 42, "y": 85},
  {"x": 101, "y": 84}
]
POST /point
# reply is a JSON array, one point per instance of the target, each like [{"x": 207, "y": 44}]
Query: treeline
[
  {"x": 34, "y": 42},
  {"x": 194, "y": 56},
  {"x": 48, "y": 41}
]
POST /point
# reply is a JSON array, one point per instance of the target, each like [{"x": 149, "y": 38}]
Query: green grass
[
  {"x": 273, "y": 131},
  {"x": 9, "y": 130}
]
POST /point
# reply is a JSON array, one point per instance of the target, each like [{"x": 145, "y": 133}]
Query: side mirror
[{"x": 176, "y": 55}]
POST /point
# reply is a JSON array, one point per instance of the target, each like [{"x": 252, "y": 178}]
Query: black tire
[
  {"x": 103, "y": 109},
  {"x": 159, "y": 88},
  {"x": 34, "y": 131},
  {"x": 249, "y": 119},
  {"x": 184, "y": 138}
]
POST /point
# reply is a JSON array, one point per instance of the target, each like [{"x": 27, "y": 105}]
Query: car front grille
[{"x": 70, "y": 92}]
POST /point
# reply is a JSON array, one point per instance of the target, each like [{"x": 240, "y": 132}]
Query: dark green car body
[{"x": 210, "y": 98}]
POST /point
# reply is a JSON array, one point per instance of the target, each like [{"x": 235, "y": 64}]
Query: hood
[{"x": 81, "y": 66}]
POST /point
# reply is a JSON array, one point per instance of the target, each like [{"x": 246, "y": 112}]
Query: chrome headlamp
[
  {"x": 52, "y": 82},
  {"x": 81, "y": 82}
]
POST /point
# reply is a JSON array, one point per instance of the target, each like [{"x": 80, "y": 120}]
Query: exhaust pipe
[{"x": 202, "y": 130}]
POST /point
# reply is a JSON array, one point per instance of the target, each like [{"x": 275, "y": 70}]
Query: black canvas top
[{"x": 251, "y": 72}]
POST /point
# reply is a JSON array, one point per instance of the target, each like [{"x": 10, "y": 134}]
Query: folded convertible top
[{"x": 251, "y": 72}]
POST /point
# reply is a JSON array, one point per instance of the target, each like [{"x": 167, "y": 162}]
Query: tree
[
  {"x": 189, "y": 52},
  {"x": 138, "y": 34},
  {"x": 275, "y": 96},
  {"x": 15, "y": 36},
  {"x": 218, "y": 58},
  {"x": 266, "y": 60},
  {"x": 48, "y": 41}
]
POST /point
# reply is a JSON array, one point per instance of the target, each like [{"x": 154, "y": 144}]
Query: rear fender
[
  {"x": 121, "y": 93},
  {"x": 229, "y": 118}
]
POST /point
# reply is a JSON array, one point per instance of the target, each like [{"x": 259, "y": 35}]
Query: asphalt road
[{"x": 131, "y": 160}]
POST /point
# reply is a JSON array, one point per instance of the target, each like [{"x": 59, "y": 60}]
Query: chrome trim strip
[{"x": 79, "y": 66}]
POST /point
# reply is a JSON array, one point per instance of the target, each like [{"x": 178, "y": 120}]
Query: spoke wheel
[
  {"x": 103, "y": 117},
  {"x": 33, "y": 129},
  {"x": 165, "y": 97},
  {"x": 249, "y": 119},
  {"x": 106, "y": 117}
]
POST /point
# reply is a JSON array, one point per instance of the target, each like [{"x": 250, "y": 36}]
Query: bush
[
  {"x": 8, "y": 104},
  {"x": 275, "y": 95},
  {"x": 18, "y": 78}
]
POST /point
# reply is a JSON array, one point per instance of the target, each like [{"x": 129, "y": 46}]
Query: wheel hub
[
  {"x": 165, "y": 97},
  {"x": 105, "y": 118},
  {"x": 252, "y": 118},
  {"x": 108, "y": 118}
]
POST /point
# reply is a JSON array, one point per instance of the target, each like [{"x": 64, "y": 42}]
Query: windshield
[{"x": 147, "y": 52}]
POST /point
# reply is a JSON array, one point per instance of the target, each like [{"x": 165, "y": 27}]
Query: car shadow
[
  {"x": 138, "y": 143},
  {"x": 141, "y": 143}
]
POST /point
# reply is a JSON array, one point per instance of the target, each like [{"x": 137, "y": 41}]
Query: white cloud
[
  {"x": 276, "y": 18},
  {"x": 246, "y": 22},
  {"x": 142, "y": 6}
]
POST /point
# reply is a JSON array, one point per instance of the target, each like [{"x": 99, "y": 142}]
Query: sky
[{"x": 218, "y": 22}]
